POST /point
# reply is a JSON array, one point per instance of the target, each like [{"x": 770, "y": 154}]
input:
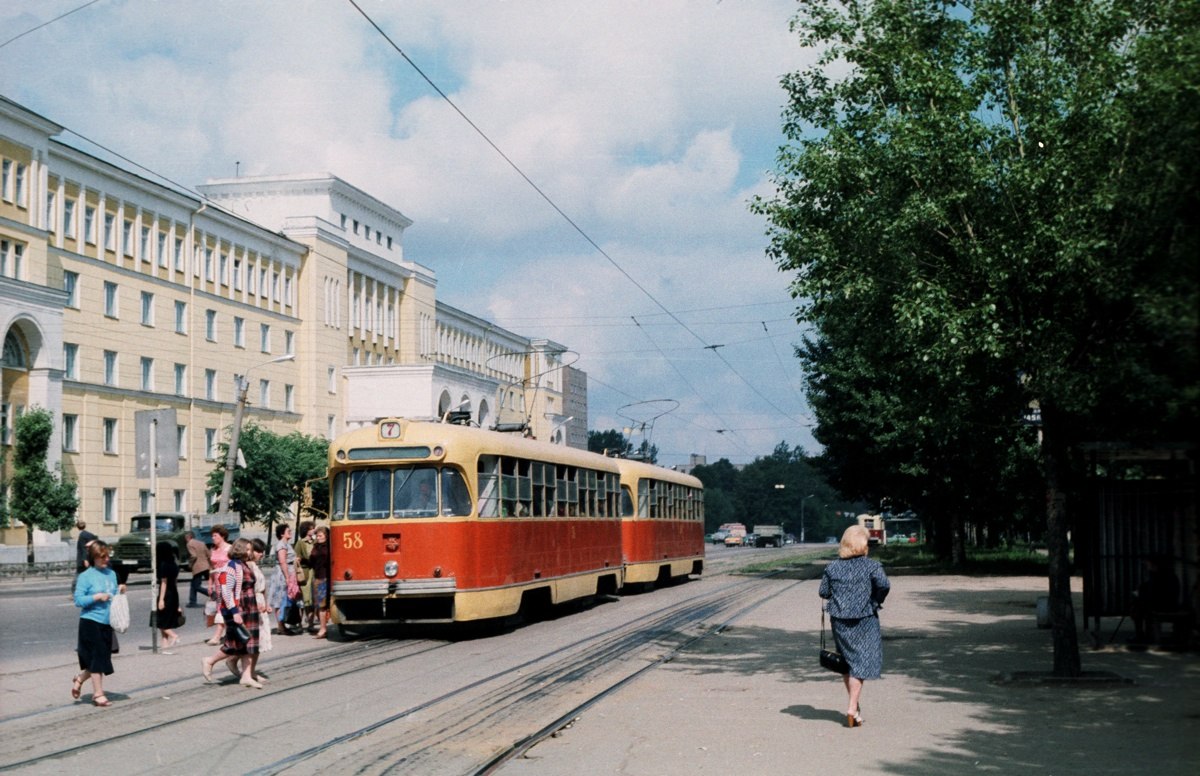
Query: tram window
[
  {"x": 456, "y": 500},
  {"x": 489, "y": 487},
  {"x": 626, "y": 502},
  {"x": 415, "y": 492},
  {"x": 337, "y": 497},
  {"x": 369, "y": 493}
]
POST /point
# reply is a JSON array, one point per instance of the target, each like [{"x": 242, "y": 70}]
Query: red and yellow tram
[
  {"x": 435, "y": 522},
  {"x": 662, "y": 523}
]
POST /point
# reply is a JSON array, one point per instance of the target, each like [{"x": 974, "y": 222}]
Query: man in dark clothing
[{"x": 86, "y": 537}]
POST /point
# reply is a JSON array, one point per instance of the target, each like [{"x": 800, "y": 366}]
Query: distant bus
[{"x": 875, "y": 529}]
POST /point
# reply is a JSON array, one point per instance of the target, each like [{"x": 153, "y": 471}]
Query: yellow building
[{"x": 118, "y": 294}]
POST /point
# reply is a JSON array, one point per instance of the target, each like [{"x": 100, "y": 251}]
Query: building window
[
  {"x": 70, "y": 433},
  {"x": 331, "y": 427},
  {"x": 179, "y": 254},
  {"x": 263, "y": 289},
  {"x": 208, "y": 264},
  {"x": 71, "y": 286},
  {"x": 5, "y": 177},
  {"x": 147, "y": 374},
  {"x": 289, "y": 398},
  {"x": 110, "y": 506},
  {"x": 20, "y": 193},
  {"x": 89, "y": 224},
  {"x": 71, "y": 360},
  {"x": 180, "y": 317},
  {"x": 51, "y": 201},
  {"x": 237, "y": 274},
  {"x": 210, "y": 325},
  {"x": 264, "y": 337},
  {"x": 289, "y": 342},
  {"x": 144, "y": 500},
  {"x": 223, "y": 269},
  {"x": 127, "y": 238},
  {"x": 110, "y": 367},
  {"x": 210, "y": 384},
  {"x": 162, "y": 250},
  {"x": 181, "y": 379},
  {"x": 181, "y": 442},
  {"x": 147, "y": 308},
  {"x": 69, "y": 218},
  {"x": 110, "y": 435},
  {"x": 110, "y": 236},
  {"x": 264, "y": 393},
  {"x": 275, "y": 286},
  {"x": 180, "y": 500},
  {"x": 210, "y": 444},
  {"x": 144, "y": 245},
  {"x": 110, "y": 299},
  {"x": 12, "y": 259},
  {"x": 239, "y": 332},
  {"x": 332, "y": 372}
]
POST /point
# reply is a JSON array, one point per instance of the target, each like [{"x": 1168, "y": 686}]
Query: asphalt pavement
[{"x": 966, "y": 688}]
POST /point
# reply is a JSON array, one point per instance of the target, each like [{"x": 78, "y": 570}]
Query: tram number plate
[{"x": 389, "y": 430}]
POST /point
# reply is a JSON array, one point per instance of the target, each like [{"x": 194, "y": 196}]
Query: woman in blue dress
[
  {"x": 855, "y": 587},
  {"x": 94, "y": 591}
]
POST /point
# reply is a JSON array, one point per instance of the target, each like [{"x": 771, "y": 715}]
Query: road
[{"x": 429, "y": 702}]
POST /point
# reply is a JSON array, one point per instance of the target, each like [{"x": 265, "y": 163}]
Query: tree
[
  {"x": 611, "y": 442},
  {"x": 41, "y": 498},
  {"x": 277, "y": 470},
  {"x": 993, "y": 203}
]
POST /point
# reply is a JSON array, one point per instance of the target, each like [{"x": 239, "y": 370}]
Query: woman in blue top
[
  {"x": 94, "y": 592},
  {"x": 855, "y": 587}
]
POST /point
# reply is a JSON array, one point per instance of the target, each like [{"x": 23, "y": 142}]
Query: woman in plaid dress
[{"x": 235, "y": 592}]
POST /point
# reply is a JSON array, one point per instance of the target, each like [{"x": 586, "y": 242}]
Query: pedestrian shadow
[{"x": 804, "y": 711}]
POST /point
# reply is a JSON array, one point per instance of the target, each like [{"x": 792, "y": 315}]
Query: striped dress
[{"x": 236, "y": 583}]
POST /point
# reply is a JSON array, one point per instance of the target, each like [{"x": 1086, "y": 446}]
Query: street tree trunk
[{"x": 1062, "y": 610}]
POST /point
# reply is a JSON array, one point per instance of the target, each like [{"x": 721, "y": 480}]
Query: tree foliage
[
  {"x": 40, "y": 498},
  {"x": 987, "y": 206},
  {"x": 277, "y": 470},
  {"x": 613, "y": 442}
]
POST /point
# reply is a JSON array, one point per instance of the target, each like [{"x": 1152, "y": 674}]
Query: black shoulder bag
[{"x": 831, "y": 659}]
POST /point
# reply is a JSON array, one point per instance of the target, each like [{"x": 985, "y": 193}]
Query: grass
[{"x": 919, "y": 559}]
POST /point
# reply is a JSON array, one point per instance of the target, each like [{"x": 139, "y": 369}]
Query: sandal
[
  {"x": 320, "y": 635},
  {"x": 206, "y": 669},
  {"x": 102, "y": 701},
  {"x": 76, "y": 687}
]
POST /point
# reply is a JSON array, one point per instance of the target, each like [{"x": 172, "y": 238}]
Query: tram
[
  {"x": 439, "y": 522},
  {"x": 662, "y": 523}
]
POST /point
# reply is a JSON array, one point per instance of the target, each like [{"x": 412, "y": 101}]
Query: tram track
[{"x": 453, "y": 729}]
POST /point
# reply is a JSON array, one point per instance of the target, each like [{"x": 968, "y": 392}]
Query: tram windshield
[{"x": 405, "y": 491}]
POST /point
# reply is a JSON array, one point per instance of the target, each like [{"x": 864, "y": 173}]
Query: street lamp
[
  {"x": 243, "y": 385},
  {"x": 806, "y": 498}
]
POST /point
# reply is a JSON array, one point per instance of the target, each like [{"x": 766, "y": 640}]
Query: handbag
[
  {"x": 118, "y": 613},
  {"x": 238, "y": 631},
  {"x": 831, "y": 659}
]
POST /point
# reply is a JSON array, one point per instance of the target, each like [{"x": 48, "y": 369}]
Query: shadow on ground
[{"x": 963, "y": 718}]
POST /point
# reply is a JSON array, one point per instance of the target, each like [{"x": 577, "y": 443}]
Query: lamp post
[
  {"x": 806, "y": 498},
  {"x": 243, "y": 385}
]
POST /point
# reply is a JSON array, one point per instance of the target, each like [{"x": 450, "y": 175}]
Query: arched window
[{"x": 14, "y": 352}]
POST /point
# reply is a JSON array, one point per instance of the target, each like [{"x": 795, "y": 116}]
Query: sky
[{"x": 651, "y": 125}]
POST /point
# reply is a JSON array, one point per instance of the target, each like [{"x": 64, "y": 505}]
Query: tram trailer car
[
  {"x": 662, "y": 523},
  {"x": 436, "y": 522}
]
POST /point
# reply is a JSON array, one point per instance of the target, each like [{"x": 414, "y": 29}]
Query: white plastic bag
[{"x": 118, "y": 613}]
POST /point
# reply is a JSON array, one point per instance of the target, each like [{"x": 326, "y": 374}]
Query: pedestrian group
[{"x": 244, "y": 607}]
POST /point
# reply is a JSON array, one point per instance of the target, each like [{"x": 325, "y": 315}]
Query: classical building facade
[{"x": 118, "y": 294}]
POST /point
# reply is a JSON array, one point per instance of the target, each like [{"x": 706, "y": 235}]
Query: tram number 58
[{"x": 352, "y": 541}]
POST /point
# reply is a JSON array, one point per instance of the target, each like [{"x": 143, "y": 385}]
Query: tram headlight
[{"x": 391, "y": 568}]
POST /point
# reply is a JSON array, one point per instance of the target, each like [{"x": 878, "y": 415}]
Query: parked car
[
  {"x": 718, "y": 537},
  {"x": 733, "y": 540}
]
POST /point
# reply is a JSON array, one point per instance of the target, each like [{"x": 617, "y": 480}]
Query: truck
[
  {"x": 768, "y": 536},
  {"x": 131, "y": 551}
]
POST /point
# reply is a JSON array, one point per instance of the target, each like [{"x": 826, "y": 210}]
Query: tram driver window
[
  {"x": 456, "y": 500},
  {"x": 415, "y": 492}
]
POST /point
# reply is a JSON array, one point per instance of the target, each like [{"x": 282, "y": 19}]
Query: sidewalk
[{"x": 752, "y": 700}]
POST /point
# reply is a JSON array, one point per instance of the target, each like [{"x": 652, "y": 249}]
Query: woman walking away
[
  {"x": 94, "y": 591},
  {"x": 238, "y": 607},
  {"x": 855, "y": 587},
  {"x": 284, "y": 587},
  {"x": 166, "y": 615}
]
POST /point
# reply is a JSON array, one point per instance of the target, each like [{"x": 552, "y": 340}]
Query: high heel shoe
[{"x": 854, "y": 720}]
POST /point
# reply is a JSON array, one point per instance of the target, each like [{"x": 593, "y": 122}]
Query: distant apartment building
[{"x": 118, "y": 294}]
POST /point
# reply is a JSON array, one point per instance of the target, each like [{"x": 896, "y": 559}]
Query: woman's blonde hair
[
  {"x": 854, "y": 542},
  {"x": 240, "y": 550}
]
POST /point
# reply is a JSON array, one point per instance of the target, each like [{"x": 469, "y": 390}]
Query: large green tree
[
  {"x": 277, "y": 470},
  {"x": 988, "y": 206},
  {"x": 41, "y": 498}
]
